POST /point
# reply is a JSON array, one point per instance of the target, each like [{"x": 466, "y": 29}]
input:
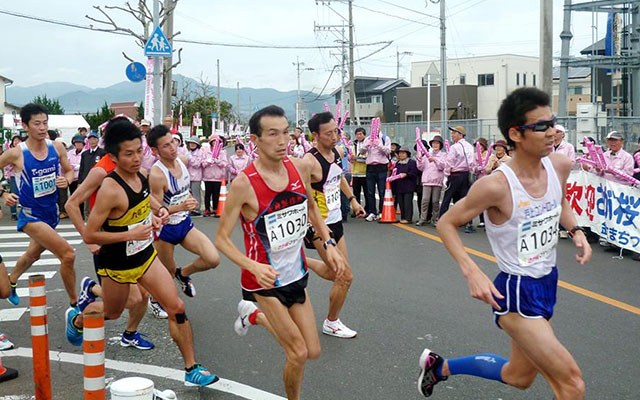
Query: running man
[
  {"x": 271, "y": 198},
  {"x": 327, "y": 182},
  {"x": 170, "y": 183},
  {"x": 37, "y": 163},
  {"x": 122, "y": 223},
  {"x": 522, "y": 228}
]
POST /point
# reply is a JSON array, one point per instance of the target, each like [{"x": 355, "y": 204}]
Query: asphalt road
[{"x": 407, "y": 294}]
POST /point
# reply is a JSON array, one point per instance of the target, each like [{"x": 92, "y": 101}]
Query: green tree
[
  {"x": 141, "y": 110},
  {"x": 53, "y": 105},
  {"x": 101, "y": 115}
]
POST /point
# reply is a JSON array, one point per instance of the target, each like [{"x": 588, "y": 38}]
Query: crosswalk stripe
[
  {"x": 7, "y": 245},
  {"x": 47, "y": 275},
  {"x": 20, "y": 235},
  {"x": 46, "y": 261},
  {"x": 61, "y": 226},
  {"x": 12, "y": 314},
  {"x": 7, "y": 254}
]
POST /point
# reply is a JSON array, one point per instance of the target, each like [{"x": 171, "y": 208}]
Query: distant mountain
[{"x": 81, "y": 99}]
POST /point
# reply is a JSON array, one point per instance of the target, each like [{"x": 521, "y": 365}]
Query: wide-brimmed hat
[
  {"x": 145, "y": 122},
  {"x": 437, "y": 138},
  {"x": 194, "y": 139},
  {"x": 483, "y": 142},
  {"x": 406, "y": 150},
  {"x": 424, "y": 143},
  {"x": 77, "y": 139},
  {"x": 501, "y": 143},
  {"x": 459, "y": 128}
]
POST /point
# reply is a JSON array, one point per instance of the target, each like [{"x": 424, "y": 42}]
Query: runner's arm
[
  {"x": 90, "y": 184},
  {"x": 9, "y": 157}
]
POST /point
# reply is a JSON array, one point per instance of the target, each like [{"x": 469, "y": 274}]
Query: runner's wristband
[
  {"x": 351, "y": 198},
  {"x": 2, "y": 192},
  {"x": 161, "y": 207},
  {"x": 575, "y": 229}
]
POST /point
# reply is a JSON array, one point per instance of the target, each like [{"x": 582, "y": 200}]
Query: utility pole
[
  {"x": 565, "y": 36},
  {"x": 398, "y": 55},
  {"x": 238, "y": 100},
  {"x": 168, "y": 61},
  {"x": 299, "y": 64},
  {"x": 352, "y": 84},
  {"x": 218, "y": 101},
  {"x": 546, "y": 45},
  {"x": 443, "y": 71},
  {"x": 157, "y": 73}
]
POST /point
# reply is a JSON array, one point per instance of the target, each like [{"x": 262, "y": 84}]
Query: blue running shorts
[
  {"x": 27, "y": 215},
  {"x": 175, "y": 234},
  {"x": 529, "y": 297}
]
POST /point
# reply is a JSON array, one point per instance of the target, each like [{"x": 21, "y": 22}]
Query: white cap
[{"x": 560, "y": 128}]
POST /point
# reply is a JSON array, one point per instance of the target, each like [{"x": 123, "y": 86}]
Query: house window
[
  {"x": 524, "y": 79},
  {"x": 413, "y": 116},
  {"x": 395, "y": 100},
  {"x": 534, "y": 79},
  {"x": 575, "y": 90},
  {"x": 485, "y": 80},
  {"x": 463, "y": 79},
  {"x": 518, "y": 79},
  {"x": 376, "y": 99}
]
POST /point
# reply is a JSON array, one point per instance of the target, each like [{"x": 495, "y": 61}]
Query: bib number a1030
[
  {"x": 44, "y": 185},
  {"x": 538, "y": 237},
  {"x": 286, "y": 228}
]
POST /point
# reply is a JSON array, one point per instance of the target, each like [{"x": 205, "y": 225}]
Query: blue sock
[{"x": 486, "y": 366}]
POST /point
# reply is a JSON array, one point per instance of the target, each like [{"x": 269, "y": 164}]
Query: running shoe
[
  {"x": 338, "y": 329},
  {"x": 207, "y": 213},
  {"x": 371, "y": 217},
  {"x": 74, "y": 335},
  {"x": 199, "y": 376},
  {"x": 429, "y": 363},
  {"x": 86, "y": 297},
  {"x": 157, "y": 310},
  {"x": 469, "y": 229},
  {"x": 185, "y": 282},
  {"x": 136, "y": 340},
  {"x": 13, "y": 297},
  {"x": 421, "y": 223},
  {"x": 563, "y": 234},
  {"x": 245, "y": 309},
  {"x": 481, "y": 225},
  {"x": 5, "y": 344}
]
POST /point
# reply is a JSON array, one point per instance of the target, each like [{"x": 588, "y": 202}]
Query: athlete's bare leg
[
  {"x": 295, "y": 329},
  {"x": 136, "y": 304},
  {"x": 5, "y": 288},
  {"x": 114, "y": 300},
  {"x": 165, "y": 254},
  {"x": 159, "y": 283},
  {"x": 198, "y": 243},
  {"x": 44, "y": 237},
  {"x": 341, "y": 286}
]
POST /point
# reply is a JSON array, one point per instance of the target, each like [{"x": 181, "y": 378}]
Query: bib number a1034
[{"x": 538, "y": 237}]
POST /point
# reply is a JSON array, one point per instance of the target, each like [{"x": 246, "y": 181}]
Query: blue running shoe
[
  {"x": 86, "y": 297},
  {"x": 74, "y": 335},
  {"x": 136, "y": 340},
  {"x": 13, "y": 297},
  {"x": 199, "y": 376}
]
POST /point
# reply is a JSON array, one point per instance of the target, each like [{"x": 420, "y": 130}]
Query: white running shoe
[
  {"x": 157, "y": 310},
  {"x": 371, "y": 217},
  {"x": 338, "y": 329},
  {"x": 5, "y": 344},
  {"x": 245, "y": 309}
]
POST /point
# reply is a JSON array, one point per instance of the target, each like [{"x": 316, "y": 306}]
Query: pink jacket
[
  {"x": 432, "y": 171},
  {"x": 148, "y": 159},
  {"x": 377, "y": 153},
  {"x": 8, "y": 171},
  {"x": 195, "y": 165},
  {"x": 622, "y": 161},
  {"x": 568, "y": 150},
  {"x": 74, "y": 160},
  {"x": 214, "y": 169},
  {"x": 237, "y": 164}
]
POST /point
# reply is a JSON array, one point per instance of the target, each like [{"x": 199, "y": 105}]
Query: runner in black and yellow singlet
[{"x": 126, "y": 262}]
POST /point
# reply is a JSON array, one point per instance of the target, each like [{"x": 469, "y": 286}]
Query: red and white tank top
[{"x": 276, "y": 235}]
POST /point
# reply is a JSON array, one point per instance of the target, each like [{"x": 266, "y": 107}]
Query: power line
[
  {"x": 395, "y": 16},
  {"x": 191, "y": 41},
  {"x": 409, "y": 9}
]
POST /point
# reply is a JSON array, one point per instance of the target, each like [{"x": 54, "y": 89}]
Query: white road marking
[
  {"x": 7, "y": 245},
  {"x": 7, "y": 254},
  {"x": 12, "y": 314},
  {"x": 20, "y": 235},
  {"x": 61, "y": 226},
  {"x": 46, "y": 261},
  {"x": 223, "y": 385},
  {"x": 47, "y": 275}
]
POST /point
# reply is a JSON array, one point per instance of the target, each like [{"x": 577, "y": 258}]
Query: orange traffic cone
[
  {"x": 388, "y": 210},
  {"x": 222, "y": 199},
  {"x": 6, "y": 374}
]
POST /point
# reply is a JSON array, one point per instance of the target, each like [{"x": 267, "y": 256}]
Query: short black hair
[
  {"x": 156, "y": 133},
  {"x": 117, "y": 131},
  {"x": 361, "y": 129},
  {"x": 52, "y": 134},
  {"x": 319, "y": 119},
  {"x": 300, "y": 129},
  {"x": 239, "y": 146},
  {"x": 514, "y": 107},
  {"x": 268, "y": 111},
  {"x": 29, "y": 110}
]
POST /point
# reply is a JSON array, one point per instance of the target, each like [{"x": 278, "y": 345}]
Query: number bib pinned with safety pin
[
  {"x": 537, "y": 237},
  {"x": 286, "y": 228}
]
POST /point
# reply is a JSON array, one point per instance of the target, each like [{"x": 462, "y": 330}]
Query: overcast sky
[{"x": 35, "y": 52}]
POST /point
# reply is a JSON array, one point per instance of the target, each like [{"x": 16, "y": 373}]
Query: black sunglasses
[{"x": 540, "y": 126}]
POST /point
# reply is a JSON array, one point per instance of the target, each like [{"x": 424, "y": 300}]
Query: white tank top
[
  {"x": 178, "y": 191},
  {"x": 526, "y": 243}
]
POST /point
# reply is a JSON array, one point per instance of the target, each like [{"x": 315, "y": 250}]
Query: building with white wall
[
  {"x": 495, "y": 76},
  {"x": 6, "y": 108}
]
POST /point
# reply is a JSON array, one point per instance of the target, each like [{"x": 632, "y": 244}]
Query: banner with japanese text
[{"x": 610, "y": 209}]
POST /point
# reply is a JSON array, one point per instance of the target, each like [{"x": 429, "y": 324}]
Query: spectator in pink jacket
[
  {"x": 9, "y": 175},
  {"x": 562, "y": 147},
  {"x": 148, "y": 158},
  {"x": 432, "y": 167},
  {"x": 617, "y": 158},
  {"x": 194, "y": 166},
  {"x": 214, "y": 170},
  {"x": 239, "y": 161},
  {"x": 479, "y": 171},
  {"x": 75, "y": 156}
]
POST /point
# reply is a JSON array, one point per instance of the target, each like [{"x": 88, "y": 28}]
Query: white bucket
[{"x": 133, "y": 388}]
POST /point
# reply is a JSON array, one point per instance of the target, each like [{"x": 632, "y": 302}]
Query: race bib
[
  {"x": 538, "y": 237},
  {"x": 177, "y": 200},
  {"x": 332, "y": 197},
  {"x": 287, "y": 227},
  {"x": 136, "y": 246},
  {"x": 44, "y": 185}
]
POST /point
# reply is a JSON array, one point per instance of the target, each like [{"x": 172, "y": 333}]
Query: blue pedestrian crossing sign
[{"x": 157, "y": 45}]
